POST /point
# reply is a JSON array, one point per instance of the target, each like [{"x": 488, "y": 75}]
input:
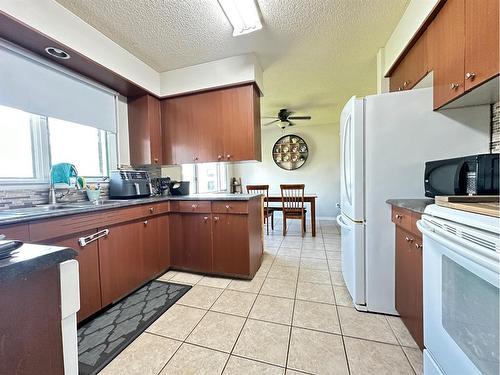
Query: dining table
[{"x": 309, "y": 198}]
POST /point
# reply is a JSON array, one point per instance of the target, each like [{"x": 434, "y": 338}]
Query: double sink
[{"x": 46, "y": 208}]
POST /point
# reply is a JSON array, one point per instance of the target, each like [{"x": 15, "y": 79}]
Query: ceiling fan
[{"x": 284, "y": 118}]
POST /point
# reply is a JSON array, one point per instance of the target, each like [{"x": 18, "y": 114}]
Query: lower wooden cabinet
[
  {"x": 191, "y": 245},
  {"x": 163, "y": 244},
  {"x": 88, "y": 268},
  {"x": 230, "y": 244},
  {"x": 409, "y": 277},
  {"x": 121, "y": 261}
]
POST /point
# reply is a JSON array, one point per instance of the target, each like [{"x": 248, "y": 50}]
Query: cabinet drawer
[
  {"x": 15, "y": 232},
  {"x": 155, "y": 209},
  {"x": 193, "y": 206},
  {"x": 230, "y": 207},
  {"x": 402, "y": 217}
]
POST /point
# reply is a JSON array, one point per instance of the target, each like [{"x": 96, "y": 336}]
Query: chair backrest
[
  {"x": 292, "y": 197},
  {"x": 260, "y": 189}
]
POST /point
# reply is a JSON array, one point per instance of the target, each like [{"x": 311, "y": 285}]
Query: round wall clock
[{"x": 290, "y": 152}]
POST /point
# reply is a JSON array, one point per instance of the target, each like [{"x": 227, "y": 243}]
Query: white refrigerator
[{"x": 385, "y": 141}]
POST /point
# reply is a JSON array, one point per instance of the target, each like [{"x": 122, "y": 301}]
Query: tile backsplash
[
  {"x": 495, "y": 128},
  {"x": 28, "y": 197}
]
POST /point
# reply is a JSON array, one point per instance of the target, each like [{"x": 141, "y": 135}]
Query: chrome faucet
[{"x": 52, "y": 190}]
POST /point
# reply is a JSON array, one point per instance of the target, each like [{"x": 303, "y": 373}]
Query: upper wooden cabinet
[
  {"x": 481, "y": 41},
  {"x": 460, "y": 44},
  {"x": 144, "y": 129},
  {"x": 217, "y": 125},
  {"x": 448, "y": 49},
  {"x": 412, "y": 68}
]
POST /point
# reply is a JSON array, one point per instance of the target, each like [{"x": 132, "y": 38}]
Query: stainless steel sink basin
[
  {"x": 100, "y": 202},
  {"x": 38, "y": 209}
]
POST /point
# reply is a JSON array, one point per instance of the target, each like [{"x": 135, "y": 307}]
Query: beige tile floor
[{"x": 294, "y": 317}]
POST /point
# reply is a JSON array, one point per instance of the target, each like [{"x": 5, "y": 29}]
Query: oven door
[{"x": 461, "y": 305}]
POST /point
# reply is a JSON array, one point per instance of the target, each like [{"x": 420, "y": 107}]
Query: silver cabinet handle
[
  {"x": 84, "y": 241},
  {"x": 205, "y": 218},
  {"x": 229, "y": 156},
  {"x": 454, "y": 86},
  {"x": 470, "y": 75},
  {"x": 408, "y": 239},
  {"x": 418, "y": 246},
  {"x": 398, "y": 216},
  {"x": 145, "y": 222},
  {"x": 228, "y": 207},
  {"x": 151, "y": 209},
  {"x": 194, "y": 206},
  {"x": 216, "y": 218},
  {"x": 219, "y": 157}
]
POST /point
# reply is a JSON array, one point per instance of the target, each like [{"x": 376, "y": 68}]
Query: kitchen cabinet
[
  {"x": 88, "y": 268},
  {"x": 192, "y": 242},
  {"x": 163, "y": 245},
  {"x": 145, "y": 136},
  {"x": 481, "y": 41},
  {"x": 412, "y": 68},
  {"x": 217, "y": 125},
  {"x": 448, "y": 49},
  {"x": 230, "y": 244},
  {"x": 460, "y": 44},
  {"x": 15, "y": 232},
  {"x": 120, "y": 261},
  {"x": 408, "y": 274}
]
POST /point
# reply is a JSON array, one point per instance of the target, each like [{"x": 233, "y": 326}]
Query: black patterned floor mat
[{"x": 104, "y": 337}]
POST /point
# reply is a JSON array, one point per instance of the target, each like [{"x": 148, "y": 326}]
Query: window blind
[{"x": 38, "y": 86}]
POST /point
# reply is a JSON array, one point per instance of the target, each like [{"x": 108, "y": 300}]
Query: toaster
[{"x": 129, "y": 184}]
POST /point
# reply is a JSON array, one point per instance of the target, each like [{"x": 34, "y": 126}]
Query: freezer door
[
  {"x": 351, "y": 160},
  {"x": 353, "y": 258}
]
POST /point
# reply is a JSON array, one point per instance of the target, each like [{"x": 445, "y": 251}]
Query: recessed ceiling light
[
  {"x": 57, "y": 53},
  {"x": 243, "y": 15}
]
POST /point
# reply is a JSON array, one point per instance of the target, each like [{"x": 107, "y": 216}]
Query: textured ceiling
[{"x": 315, "y": 53}]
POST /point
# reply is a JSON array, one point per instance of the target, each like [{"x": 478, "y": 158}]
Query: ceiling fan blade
[
  {"x": 268, "y": 117},
  {"x": 269, "y": 123},
  {"x": 299, "y": 117}
]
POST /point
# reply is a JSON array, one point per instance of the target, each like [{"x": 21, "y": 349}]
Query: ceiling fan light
[{"x": 242, "y": 14}]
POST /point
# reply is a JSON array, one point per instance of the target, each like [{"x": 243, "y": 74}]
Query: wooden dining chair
[
  {"x": 268, "y": 211},
  {"x": 292, "y": 200}
]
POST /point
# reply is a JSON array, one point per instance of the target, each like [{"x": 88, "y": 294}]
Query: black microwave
[{"x": 468, "y": 175}]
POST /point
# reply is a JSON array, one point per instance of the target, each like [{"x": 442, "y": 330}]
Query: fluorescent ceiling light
[{"x": 242, "y": 14}]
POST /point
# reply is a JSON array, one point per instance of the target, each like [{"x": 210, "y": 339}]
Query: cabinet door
[
  {"x": 163, "y": 246},
  {"x": 230, "y": 244},
  {"x": 145, "y": 131},
  {"x": 409, "y": 296},
  {"x": 88, "y": 267},
  {"x": 179, "y": 140},
  {"x": 448, "y": 49},
  {"x": 481, "y": 41},
  {"x": 207, "y": 109},
  {"x": 192, "y": 242},
  {"x": 120, "y": 261},
  {"x": 240, "y": 123},
  {"x": 149, "y": 253}
]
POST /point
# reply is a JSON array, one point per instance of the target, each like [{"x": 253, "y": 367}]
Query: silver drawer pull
[{"x": 84, "y": 241}]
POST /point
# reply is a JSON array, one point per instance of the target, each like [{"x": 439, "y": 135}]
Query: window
[
  {"x": 88, "y": 153},
  {"x": 205, "y": 177},
  {"x": 30, "y": 144}
]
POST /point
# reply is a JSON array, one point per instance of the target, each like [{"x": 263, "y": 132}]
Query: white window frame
[
  {"x": 40, "y": 143},
  {"x": 196, "y": 173}
]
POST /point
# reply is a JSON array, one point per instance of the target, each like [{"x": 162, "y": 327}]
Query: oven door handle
[
  {"x": 84, "y": 241},
  {"x": 475, "y": 253}
]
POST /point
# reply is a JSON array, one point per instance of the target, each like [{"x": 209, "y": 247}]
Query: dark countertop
[
  {"x": 32, "y": 258},
  {"x": 24, "y": 215},
  {"x": 415, "y": 205}
]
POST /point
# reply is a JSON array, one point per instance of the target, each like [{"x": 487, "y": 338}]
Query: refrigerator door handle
[{"x": 342, "y": 224}]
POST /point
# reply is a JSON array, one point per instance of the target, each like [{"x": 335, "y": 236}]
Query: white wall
[
  {"x": 224, "y": 72},
  {"x": 413, "y": 17},
  {"x": 52, "y": 19},
  {"x": 320, "y": 173}
]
